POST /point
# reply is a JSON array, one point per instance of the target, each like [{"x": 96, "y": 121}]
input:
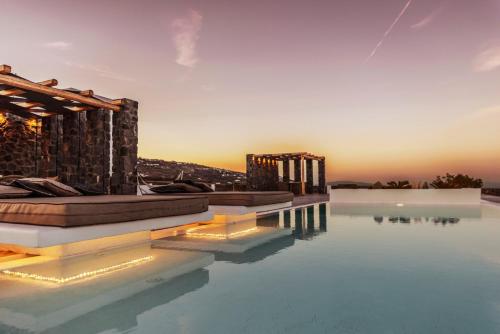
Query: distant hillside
[
  {"x": 357, "y": 183},
  {"x": 161, "y": 170}
]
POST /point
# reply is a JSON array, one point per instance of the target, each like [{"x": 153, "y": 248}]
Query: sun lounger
[
  {"x": 46, "y": 222},
  {"x": 96, "y": 210},
  {"x": 243, "y": 202}
]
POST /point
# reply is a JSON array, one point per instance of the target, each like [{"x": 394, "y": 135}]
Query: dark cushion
[
  {"x": 8, "y": 179},
  {"x": 13, "y": 192},
  {"x": 83, "y": 210},
  {"x": 36, "y": 189},
  {"x": 202, "y": 185},
  {"x": 53, "y": 186},
  {"x": 87, "y": 191},
  {"x": 176, "y": 188}
]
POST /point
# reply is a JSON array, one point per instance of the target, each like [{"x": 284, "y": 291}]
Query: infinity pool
[{"x": 338, "y": 269}]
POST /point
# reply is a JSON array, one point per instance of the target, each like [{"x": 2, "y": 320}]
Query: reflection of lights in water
[
  {"x": 192, "y": 234},
  {"x": 87, "y": 274},
  {"x": 400, "y": 204}
]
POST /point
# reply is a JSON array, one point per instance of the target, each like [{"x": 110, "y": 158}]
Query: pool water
[{"x": 340, "y": 269}]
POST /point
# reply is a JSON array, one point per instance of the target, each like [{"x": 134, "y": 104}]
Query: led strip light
[
  {"x": 87, "y": 274},
  {"x": 191, "y": 234}
]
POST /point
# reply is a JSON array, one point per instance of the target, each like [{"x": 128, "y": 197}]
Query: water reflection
[
  {"x": 112, "y": 301},
  {"x": 259, "y": 253},
  {"x": 417, "y": 220},
  {"x": 122, "y": 315},
  {"x": 309, "y": 222}
]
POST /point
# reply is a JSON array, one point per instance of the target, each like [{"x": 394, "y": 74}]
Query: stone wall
[
  {"x": 19, "y": 142},
  {"x": 76, "y": 147}
]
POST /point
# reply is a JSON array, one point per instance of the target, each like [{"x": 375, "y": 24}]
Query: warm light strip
[
  {"x": 191, "y": 234},
  {"x": 87, "y": 274}
]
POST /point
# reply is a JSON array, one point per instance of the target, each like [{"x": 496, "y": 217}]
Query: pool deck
[
  {"x": 310, "y": 199},
  {"x": 491, "y": 198}
]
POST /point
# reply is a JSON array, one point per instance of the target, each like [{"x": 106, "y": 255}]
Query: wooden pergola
[
  {"x": 29, "y": 99},
  {"x": 289, "y": 156},
  {"x": 262, "y": 171},
  {"x": 73, "y": 134}
]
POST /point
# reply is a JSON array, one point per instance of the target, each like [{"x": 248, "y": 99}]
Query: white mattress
[
  {"x": 46, "y": 236},
  {"x": 242, "y": 210}
]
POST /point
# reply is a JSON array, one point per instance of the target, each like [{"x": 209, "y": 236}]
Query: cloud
[
  {"x": 486, "y": 113},
  {"x": 428, "y": 19},
  {"x": 487, "y": 60},
  {"x": 208, "y": 88},
  {"x": 185, "y": 36},
  {"x": 58, "y": 45},
  {"x": 388, "y": 31},
  {"x": 102, "y": 71}
]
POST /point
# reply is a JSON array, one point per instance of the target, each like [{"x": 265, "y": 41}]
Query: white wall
[{"x": 407, "y": 196}]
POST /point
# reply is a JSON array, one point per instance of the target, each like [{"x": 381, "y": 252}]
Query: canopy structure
[
  {"x": 263, "y": 172},
  {"x": 75, "y": 135},
  {"x": 29, "y": 99}
]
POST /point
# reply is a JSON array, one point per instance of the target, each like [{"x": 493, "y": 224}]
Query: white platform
[
  {"x": 46, "y": 236},
  {"x": 242, "y": 210},
  {"x": 229, "y": 238},
  {"x": 38, "y": 306}
]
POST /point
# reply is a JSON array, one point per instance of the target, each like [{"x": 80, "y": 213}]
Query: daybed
[
  {"x": 45, "y": 222},
  {"x": 95, "y": 210}
]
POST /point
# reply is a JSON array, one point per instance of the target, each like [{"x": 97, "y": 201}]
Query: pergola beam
[
  {"x": 5, "y": 69},
  {"x": 23, "y": 84},
  {"x": 49, "y": 83}
]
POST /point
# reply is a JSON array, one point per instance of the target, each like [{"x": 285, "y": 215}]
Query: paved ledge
[{"x": 310, "y": 199}]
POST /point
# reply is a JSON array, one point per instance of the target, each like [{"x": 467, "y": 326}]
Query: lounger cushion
[
  {"x": 53, "y": 186},
  {"x": 36, "y": 189},
  {"x": 13, "y": 192},
  {"x": 93, "y": 210},
  {"x": 8, "y": 179},
  {"x": 247, "y": 198},
  {"x": 204, "y": 187},
  {"x": 176, "y": 188}
]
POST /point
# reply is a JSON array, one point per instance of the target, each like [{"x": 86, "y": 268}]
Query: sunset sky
[{"x": 386, "y": 89}]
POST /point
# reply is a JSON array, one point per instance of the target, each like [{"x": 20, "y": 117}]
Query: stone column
[
  {"x": 322, "y": 176},
  {"x": 48, "y": 147},
  {"x": 70, "y": 149},
  {"x": 125, "y": 140},
  {"x": 297, "y": 170},
  {"x": 309, "y": 176},
  {"x": 251, "y": 169},
  {"x": 286, "y": 171},
  {"x": 94, "y": 167},
  {"x": 275, "y": 175}
]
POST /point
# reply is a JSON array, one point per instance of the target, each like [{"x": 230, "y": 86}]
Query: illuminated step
[
  {"x": 59, "y": 291},
  {"x": 231, "y": 238}
]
